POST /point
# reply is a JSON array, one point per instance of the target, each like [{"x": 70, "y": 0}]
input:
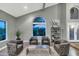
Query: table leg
[
  {"x": 49, "y": 50},
  {"x": 27, "y": 51}
]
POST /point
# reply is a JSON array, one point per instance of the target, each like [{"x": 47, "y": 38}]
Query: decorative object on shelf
[
  {"x": 18, "y": 33},
  {"x": 55, "y": 33}
]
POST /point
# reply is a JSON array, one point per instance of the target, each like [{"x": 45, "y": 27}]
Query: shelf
[{"x": 55, "y": 32}]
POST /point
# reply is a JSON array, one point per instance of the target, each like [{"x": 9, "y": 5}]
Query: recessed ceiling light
[{"x": 25, "y": 7}]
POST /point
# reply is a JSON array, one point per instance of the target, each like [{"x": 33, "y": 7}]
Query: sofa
[
  {"x": 14, "y": 47},
  {"x": 61, "y": 47}
]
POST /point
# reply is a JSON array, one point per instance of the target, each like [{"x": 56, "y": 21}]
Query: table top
[
  {"x": 41, "y": 50},
  {"x": 75, "y": 45}
]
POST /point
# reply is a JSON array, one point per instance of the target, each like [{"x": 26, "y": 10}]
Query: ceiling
[{"x": 19, "y": 9}]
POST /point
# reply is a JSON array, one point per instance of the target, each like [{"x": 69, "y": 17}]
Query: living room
[{"x": 27, "y": 25}]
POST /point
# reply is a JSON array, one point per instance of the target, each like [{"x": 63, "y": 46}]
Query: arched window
[
  {"x": 74, "y": 13},
  {"x": 39, "y": 26}
]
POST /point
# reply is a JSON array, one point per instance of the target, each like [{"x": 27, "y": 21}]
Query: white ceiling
[{"x": 19, "y": 9}]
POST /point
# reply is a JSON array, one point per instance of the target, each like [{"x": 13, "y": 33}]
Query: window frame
[
  {"x": 77, "y": 13},
  {"x": 39, "y": 23},
  {"x": 6, "y": 31}
]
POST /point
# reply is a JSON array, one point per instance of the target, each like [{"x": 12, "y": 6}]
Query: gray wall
[
  {"x": 62, "y": 17},
  {"x": 24, "y": 23},
  {"x": 10, "y": 26}
]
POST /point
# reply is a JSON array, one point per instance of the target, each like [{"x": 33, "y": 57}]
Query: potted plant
[{"x": 18, "y": 33}]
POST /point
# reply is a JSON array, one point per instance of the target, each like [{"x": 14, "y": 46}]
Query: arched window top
[
  {"x": 39, "y": 19},
  {"x": 73, "y": 9},
  {"x": 74, "y": 13}
]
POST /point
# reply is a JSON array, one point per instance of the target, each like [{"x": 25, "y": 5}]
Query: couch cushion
[{"x": 57, "y": 46}]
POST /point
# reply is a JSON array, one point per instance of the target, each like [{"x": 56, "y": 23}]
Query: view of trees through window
[
  {"x": 39, "y": 26},
  {"x": 2, "y": 30}
]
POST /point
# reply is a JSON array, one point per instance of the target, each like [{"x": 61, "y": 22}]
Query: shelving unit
[{"x": 55, "y": 32}]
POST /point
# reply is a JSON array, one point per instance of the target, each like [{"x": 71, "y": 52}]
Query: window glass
[
  {"x": 39, "y": 26},
  {"x": 71, "y": 33},
  {"x": 74, "y": 13},
  {"x": 77, "y": 33},
  {"x": 2, "y": 30}
]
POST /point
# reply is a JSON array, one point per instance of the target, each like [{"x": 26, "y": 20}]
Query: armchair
[
  {"x": 62, "y": 47},
  {"x": 33, "y": 41},
  {"x": 14, "y": 47},
  {"x": 45, "y": 41}
]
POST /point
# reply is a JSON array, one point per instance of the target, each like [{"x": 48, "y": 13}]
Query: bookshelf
[{"x": 55, "y": 32}]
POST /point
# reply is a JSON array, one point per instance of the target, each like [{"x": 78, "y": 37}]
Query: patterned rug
[{"x": 38, "y": 52}]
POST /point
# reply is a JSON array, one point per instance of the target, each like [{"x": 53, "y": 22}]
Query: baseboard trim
[
  {"x": 3, "y": 47},
  {"x": 25, "y": 41}
]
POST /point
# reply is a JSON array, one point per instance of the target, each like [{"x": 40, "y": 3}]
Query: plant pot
[{"x": 18, "y": 38}]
